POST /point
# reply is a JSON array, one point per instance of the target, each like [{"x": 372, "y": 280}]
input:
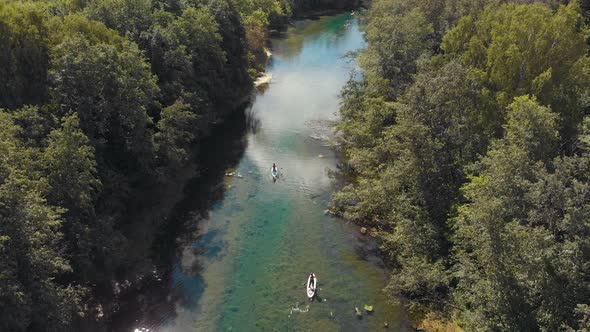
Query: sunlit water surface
[{"x": 243, "y": 266}]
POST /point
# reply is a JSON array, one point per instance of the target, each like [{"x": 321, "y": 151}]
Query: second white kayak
[{"x": 312, "y": 283}]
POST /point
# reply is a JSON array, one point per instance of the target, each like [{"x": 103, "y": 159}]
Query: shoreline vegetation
[
  {"x": 464, "y": 139},
  {"x": 104, "y": 106}
]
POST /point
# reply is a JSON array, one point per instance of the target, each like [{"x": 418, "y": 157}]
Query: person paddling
[{"x": 274, "y": 172}]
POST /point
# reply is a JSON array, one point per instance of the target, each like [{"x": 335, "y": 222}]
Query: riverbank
[{"x": 158, "y": 220}]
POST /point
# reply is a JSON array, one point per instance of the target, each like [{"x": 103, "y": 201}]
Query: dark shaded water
[{"x": 237, "y": 250}]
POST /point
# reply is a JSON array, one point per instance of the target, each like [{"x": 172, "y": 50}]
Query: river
[{"x": 238, "y": 260}]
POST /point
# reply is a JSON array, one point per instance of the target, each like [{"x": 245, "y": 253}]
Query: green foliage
[
  {"x": 233, "y": 82},
  {"x": 362, "y": 117},
  {"x": 583, "y": 311},
  {"x": 521, "y": 50},
  {"x": 23, "y": 54},
  {"x": 95, "y": 32},
  {"x": 97, "y": 97},
  {"x": 261, "y": 9},
  {"x": 305, "y": 6},
  {"x": 519, "y": 239},
  {"x": 29, "y": 238},
  {"x": 466, "y": 145},
  {"x": 200, "y": 34},
  {"x": 532, "y": 128},
  {"x": 186, "y": 55},
  {"x": 34, "y": 125},
  {"x": 71, "y": 166},
  {"x": 410, "y": 175},
  {"x": 257, "y": 16},
  {"x": 398, "y": 33},
  {"x": 111, "y": 89},
  {"x": 132, "y": 18},
  {"x": 256, "y": 25},
  {"x": 176, "y": 133}
]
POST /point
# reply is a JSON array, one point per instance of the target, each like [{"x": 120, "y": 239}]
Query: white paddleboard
[{"x": 310, "y": 290}]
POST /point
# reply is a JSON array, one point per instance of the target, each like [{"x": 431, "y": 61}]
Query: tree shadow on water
[{"x": 175, "y": 281}]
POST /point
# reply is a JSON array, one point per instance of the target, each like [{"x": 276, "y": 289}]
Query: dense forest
[
  {"x": 99, "y": 100},
  {"x": 466, "y": 139}
]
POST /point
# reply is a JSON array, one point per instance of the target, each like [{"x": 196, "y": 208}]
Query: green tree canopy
[
  {"x": 111, "y": 90},
  {"x": 29, "y": 238},
  {"x": 517, "y": 49},
  {"x": 24, "y": 58}
]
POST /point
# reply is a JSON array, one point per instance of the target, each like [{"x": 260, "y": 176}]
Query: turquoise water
[{"x": 243, "y": 265}]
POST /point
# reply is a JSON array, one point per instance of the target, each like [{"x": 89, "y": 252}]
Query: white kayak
[{"x": 311, "y": 287}]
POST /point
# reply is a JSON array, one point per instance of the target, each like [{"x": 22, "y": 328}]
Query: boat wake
[{"x": 297, "y": 309}]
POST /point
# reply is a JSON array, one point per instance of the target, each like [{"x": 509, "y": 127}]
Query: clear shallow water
[{"x": 241, "y": 264}]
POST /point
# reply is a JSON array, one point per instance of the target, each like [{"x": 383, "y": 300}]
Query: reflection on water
[
  {"x": 179, "y": 283},
  {"x": 325, "y": 33},
  {"x": 252, "y": 122},
  {"x": 239, "y": 247}
]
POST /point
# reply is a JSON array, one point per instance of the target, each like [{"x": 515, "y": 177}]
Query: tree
[
  {"x": 233, "y": 81},
  {"x": 198, "y": 32},
  {"x": 35, "y": 123},
  {"x": 532, "y": 128},
  {"x": 24, "y": 54},
  {"x": 73, "y": 185},
  {"x": 111, "y": 89},
  {"x": 187, "y": 56},
  {"x": 494, "y": 248},
  {"x": 409, "y": 171},
  {"x": 488, "y": 240},
  {"x": 71, "y": 167},
  {"x": 176, "y": 132},
  {"x": 131, "y": 18},
  {"x": 527, "y": 49},
  {"x": 29, "y": 244},
  {"x": 398, "y": 34}
]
